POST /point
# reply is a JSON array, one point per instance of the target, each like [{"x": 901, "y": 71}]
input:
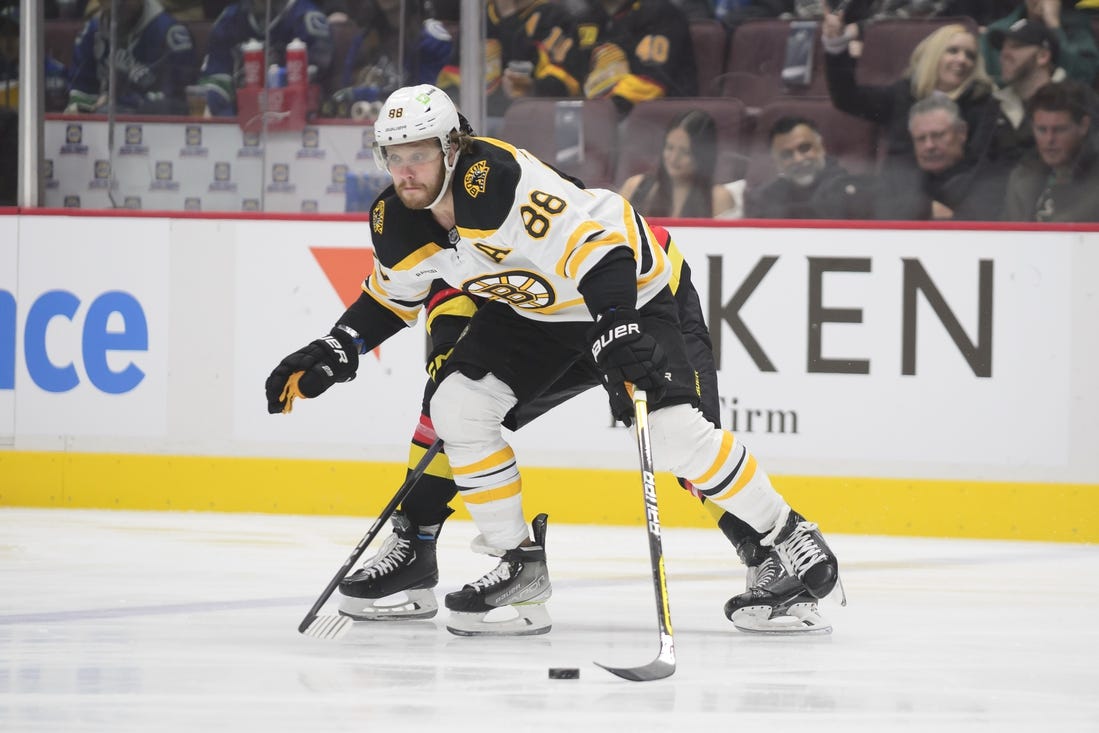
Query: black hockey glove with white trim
[
  {"x": 311, "y": 370},
  {"x": 625, "y": 353}
]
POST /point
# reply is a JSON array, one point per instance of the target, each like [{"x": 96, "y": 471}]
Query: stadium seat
[
  {"x": 641, "y": 136},
  {"x": 888, "y": 45},
  {"x": 756, "y": 58},
  {"x": 576, "y": 136},
  {"x": 709, "y": 39},
  {"x": 852, "y": 141}
]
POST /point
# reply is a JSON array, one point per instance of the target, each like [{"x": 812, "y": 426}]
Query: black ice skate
[
  {"x": 405, "y": 565},
  {"x": 520, "y": 581},
  {"x": 804, "y": 553},
  {"x": 775, "y": 602}
]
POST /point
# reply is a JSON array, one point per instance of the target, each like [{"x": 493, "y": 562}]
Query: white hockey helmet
[{"x": 421, "y": 112}]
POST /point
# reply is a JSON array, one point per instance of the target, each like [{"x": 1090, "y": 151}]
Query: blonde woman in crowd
[{"x": 947, "y": 62}]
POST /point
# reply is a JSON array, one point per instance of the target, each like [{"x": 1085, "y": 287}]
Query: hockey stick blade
[
  {"x": 333, "y": 627},
  {"x": 664, "y": 664},
  {"x": 661, "y": 667}
]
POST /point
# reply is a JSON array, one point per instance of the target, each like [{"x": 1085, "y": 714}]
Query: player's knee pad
[
  {"x": 684, "y": 442},
  {"x": 468, "y": 412}
]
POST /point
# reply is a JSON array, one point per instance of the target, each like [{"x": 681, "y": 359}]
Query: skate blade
[
  {"x": 406, "y": 606},
  {"x": 328, "y": 627},
  {"x": 800, "y": 618},
  {"x": 531, "y": 619}
]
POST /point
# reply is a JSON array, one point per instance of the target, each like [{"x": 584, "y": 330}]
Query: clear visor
[{"x": 398, "y": 156}]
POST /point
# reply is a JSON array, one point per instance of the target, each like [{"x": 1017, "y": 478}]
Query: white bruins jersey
[{"x": 524, "y": 235}]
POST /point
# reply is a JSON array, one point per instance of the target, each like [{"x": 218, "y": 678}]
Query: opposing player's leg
[{"x": 397, "y": 582}]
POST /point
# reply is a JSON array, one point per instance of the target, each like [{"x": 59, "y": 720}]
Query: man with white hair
[{"x": 944, "y": 184}]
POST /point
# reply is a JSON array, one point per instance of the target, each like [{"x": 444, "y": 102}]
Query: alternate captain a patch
[
  {"x": 475, "y": 178},
  {"x": 377, "y": 216}
]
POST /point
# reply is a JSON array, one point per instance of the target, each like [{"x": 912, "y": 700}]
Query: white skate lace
[
  {"x": 801, "y": 549},
  {"x": 498, "y": 574},
  {"x": 393, "y": 554}
]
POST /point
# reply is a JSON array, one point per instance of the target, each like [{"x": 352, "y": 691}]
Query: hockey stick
[
  {"x": 333, "y": 627},
  {"x": 664, "y": 664}
]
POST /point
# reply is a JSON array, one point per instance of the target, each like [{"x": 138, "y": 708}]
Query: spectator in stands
[
  {"x": 734, "y": 12},
  {"x": 57, "y": 76},
  {"x": 183, "y": 10},
  {"x": 946, "y": 63},
  {"x": 153, "y": 65},
  {"x": 1078, "y": 52},
  {"x": 981, "y": 11},
  {"x": 1059, "y": 180},
  {"x": 810, "y": 185},
  {"x": 682, "y": 185},
  {"x": 372, "y": 68},
  {"x": 247, "y": 20},
  {"x": 944, "y": 183},
  {"x": 640, "y": 50},
  {"x": 531, "y": 50}
]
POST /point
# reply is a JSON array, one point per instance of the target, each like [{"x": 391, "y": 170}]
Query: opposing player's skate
[
  {"x": 520, "y": 581},
  {"x": 804, "y": 553},
  {"x": 775, "y": 602},
  {"x": 405, "y": 565}
]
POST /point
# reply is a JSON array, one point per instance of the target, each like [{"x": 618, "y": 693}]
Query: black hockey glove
[
  {"x": 625, "y": 353},
  {"x": 309, "y": 371}
]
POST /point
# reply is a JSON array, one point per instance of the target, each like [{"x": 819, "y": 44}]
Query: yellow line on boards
[{"x": 855, "y": 505}]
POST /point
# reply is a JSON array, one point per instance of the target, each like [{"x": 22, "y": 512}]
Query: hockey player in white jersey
[{"x": 570, "y": 274}]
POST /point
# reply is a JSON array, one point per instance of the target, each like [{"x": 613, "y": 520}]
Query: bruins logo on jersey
[
  {"x": 377, "y": 216},
  {"x": 517, "y": 288},
  {"x": 475, "y": 178}
]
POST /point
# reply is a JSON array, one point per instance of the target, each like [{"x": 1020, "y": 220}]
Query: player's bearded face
[{"x": 417, "y": 170}]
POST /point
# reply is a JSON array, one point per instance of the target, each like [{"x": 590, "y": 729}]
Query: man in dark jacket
[
  {"x": 1059, "y": 180},
  {"x": 809, "y": 185},
  {"x": 944, "y": 183}
]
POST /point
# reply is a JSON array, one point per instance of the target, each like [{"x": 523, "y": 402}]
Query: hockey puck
[{"x": 564, "y": 673}]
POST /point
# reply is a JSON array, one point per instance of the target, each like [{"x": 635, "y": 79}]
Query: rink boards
[{"x": 925, "y": 381}]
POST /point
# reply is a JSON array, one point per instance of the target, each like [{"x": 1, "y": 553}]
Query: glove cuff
[{"x": 349, "y": 337}]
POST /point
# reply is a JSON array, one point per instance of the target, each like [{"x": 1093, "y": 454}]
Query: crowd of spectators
[{"x": 992, "y": 119}]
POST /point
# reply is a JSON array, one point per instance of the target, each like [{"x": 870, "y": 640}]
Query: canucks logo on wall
[
  {"x": 133, "y": 141},
  {"x": 71, "y": 202},
  {"x": 163, "y": 177},
  {"x": 102, "y": 174},
  {"x": 192, "y": 203},
  {"x": 311, "y": 145},
  {"x": 250, "y": 145},
  {"x": 192, "y": 143},
  {"x": 280, "y": 179},
  {"x": 339, "y": 179},
  {"x": 223, "y": 178},
  {"x": 74, "y": 140},
  {"x": 249, "y": 205},
  {"x": 309, "y": 206},
  {"x": 131, "y": 202}
]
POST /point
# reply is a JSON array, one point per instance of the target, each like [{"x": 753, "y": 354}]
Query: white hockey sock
[
  {"x": 718, "y": 464},
  {"x": 467, "y": 414}
]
